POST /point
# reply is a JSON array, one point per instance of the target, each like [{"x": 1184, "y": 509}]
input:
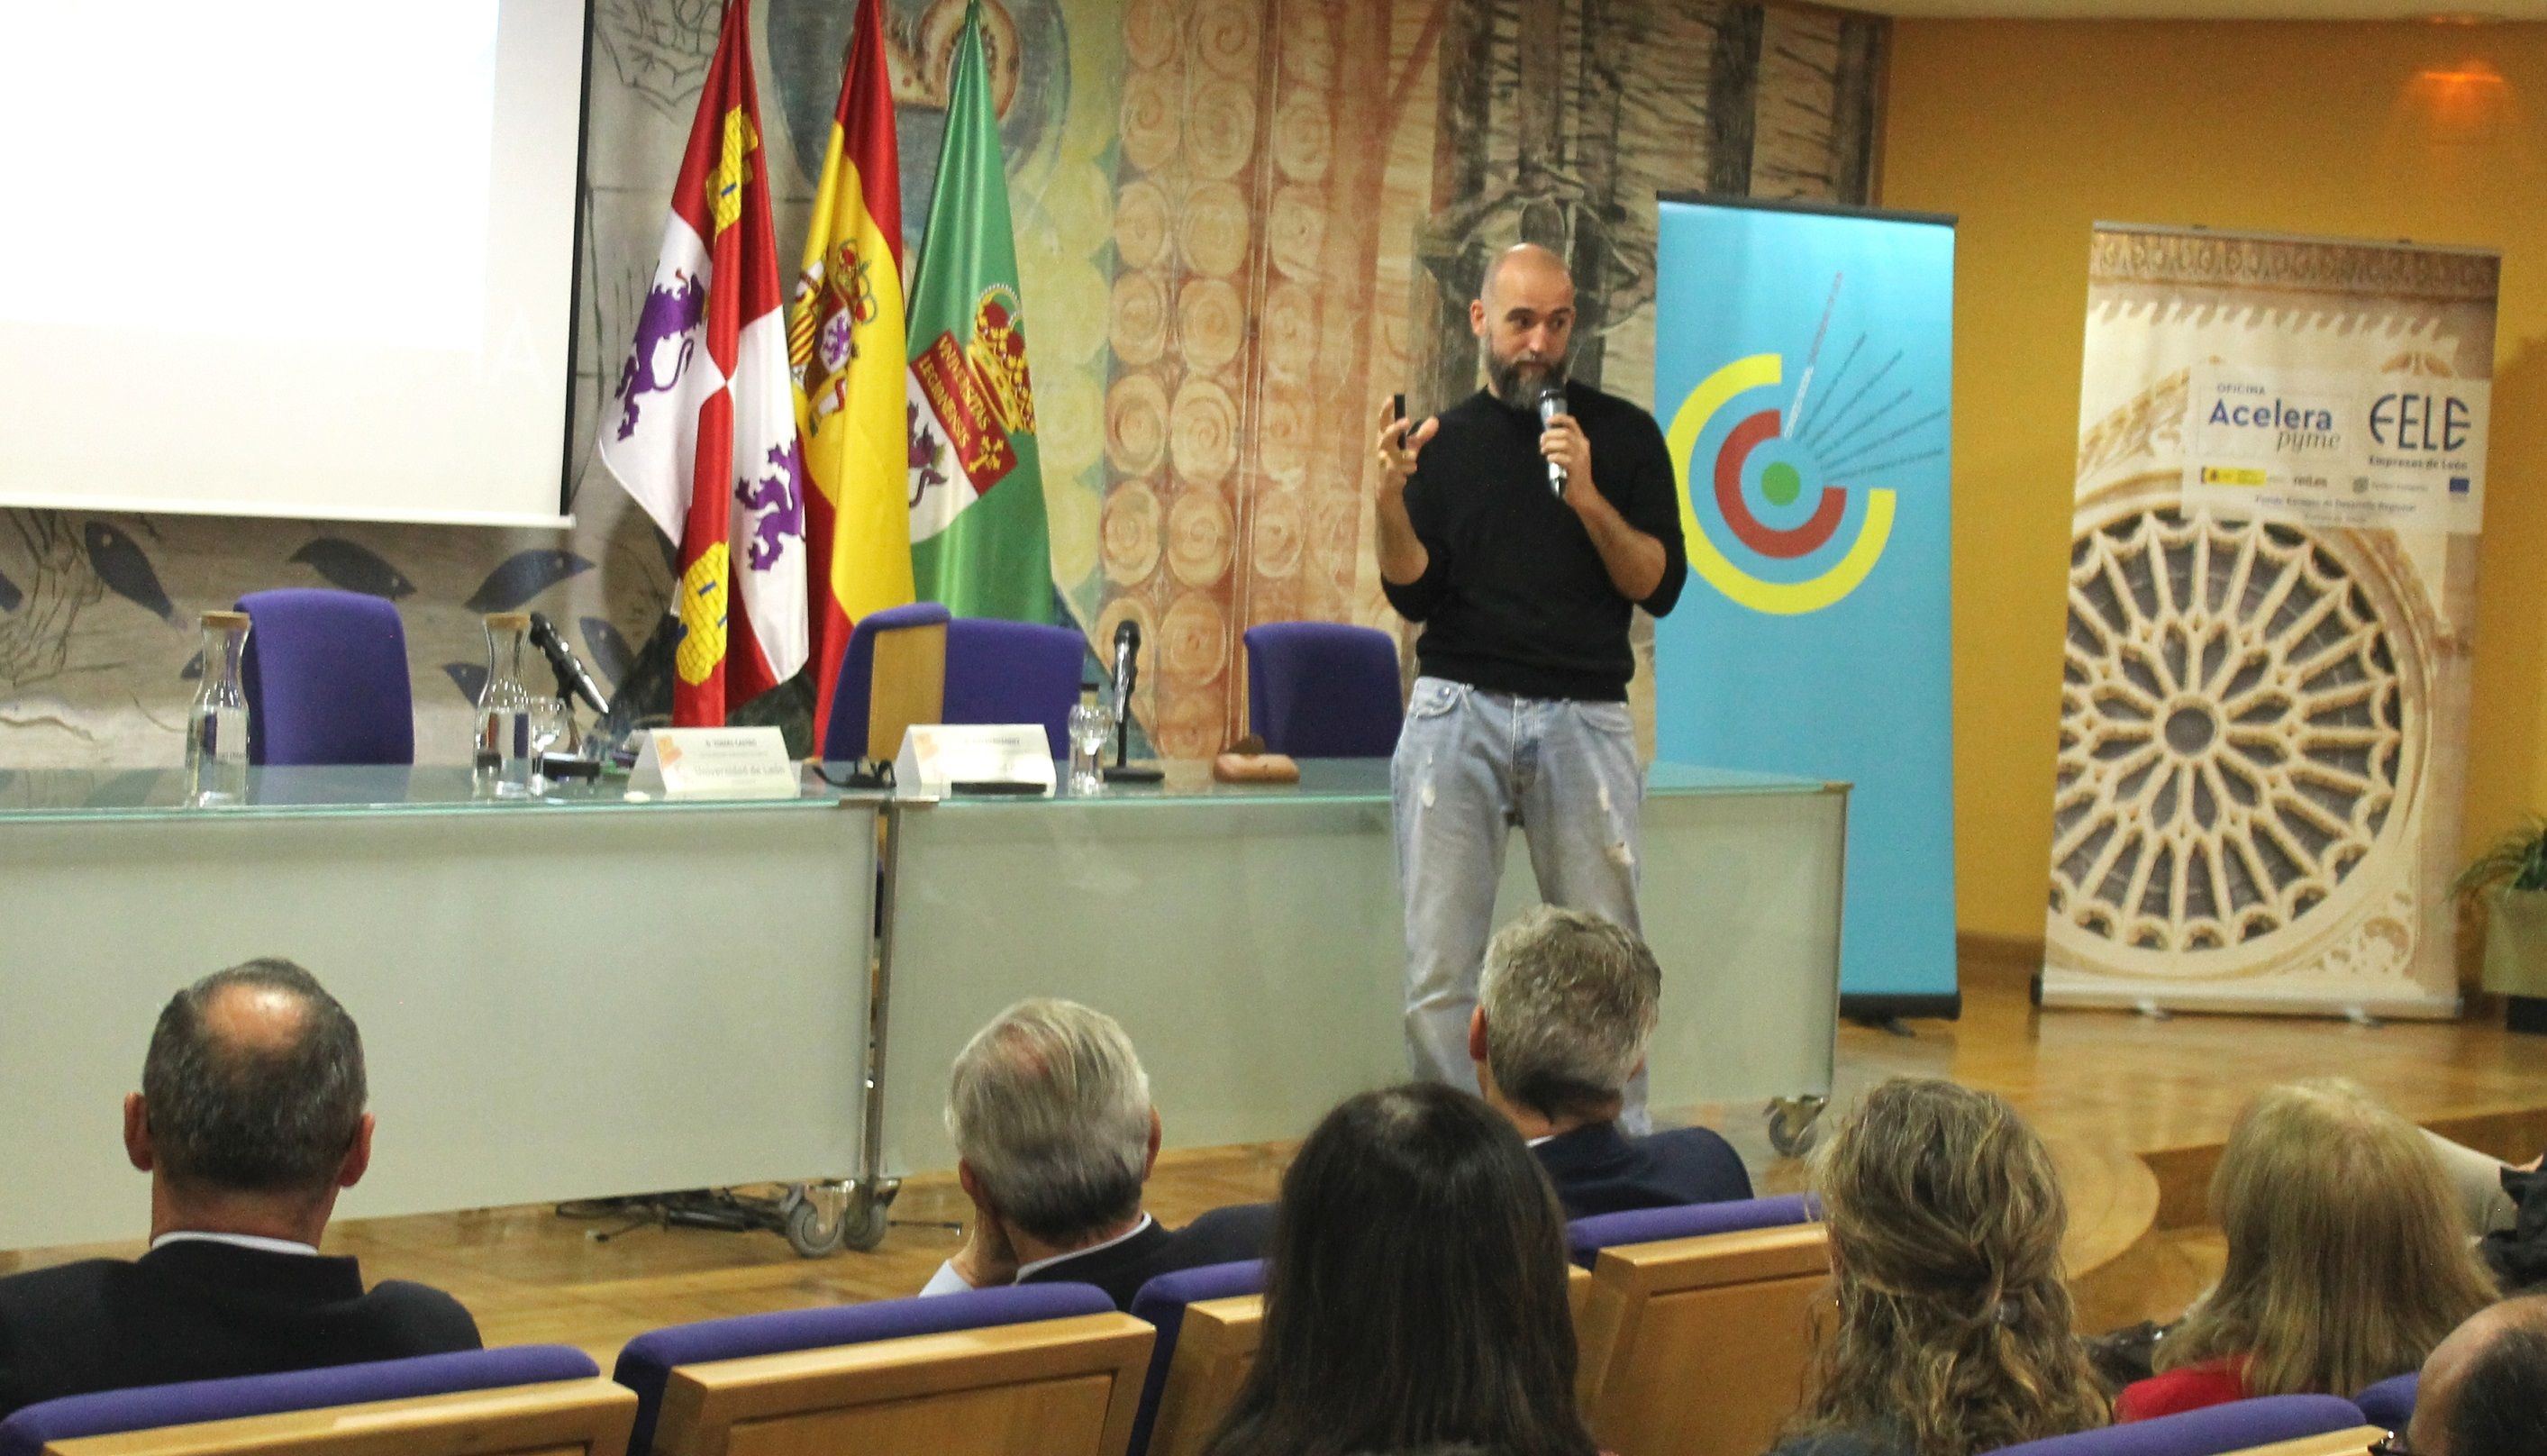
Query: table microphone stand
[{"x": 1120, "y": 771}]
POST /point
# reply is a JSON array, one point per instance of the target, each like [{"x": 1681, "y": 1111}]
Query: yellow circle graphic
[{"x": 1777, "y": 598}]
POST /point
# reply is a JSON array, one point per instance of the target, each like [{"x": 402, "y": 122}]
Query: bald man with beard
[{"x": 1525, "y": 588}]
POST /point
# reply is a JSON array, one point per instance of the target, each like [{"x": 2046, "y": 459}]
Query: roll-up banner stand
[
  {"x": 1803, "y": 368},
  {"x": 2272, "y": 583}
]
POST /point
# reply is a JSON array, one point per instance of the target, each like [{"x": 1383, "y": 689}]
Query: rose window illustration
[{"x": 2236, "y": 736}]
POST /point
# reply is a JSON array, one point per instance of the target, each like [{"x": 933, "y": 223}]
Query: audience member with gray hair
[
  {"x": 1564, "y": 1009},
  {"x": 249, "y": 1122},
  {"x": 2483, "y": 1388},
  {"x": 1054, "y": 1137}
]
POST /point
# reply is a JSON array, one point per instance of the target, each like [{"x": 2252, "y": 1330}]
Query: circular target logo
[{"x": 1763, "y": 515}]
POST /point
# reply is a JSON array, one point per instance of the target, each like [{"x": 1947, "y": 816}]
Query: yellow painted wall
[{"x": 2031, "y": 130}]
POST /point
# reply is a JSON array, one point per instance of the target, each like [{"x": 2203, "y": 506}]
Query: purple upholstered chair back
[
  {"x": 1013, "y": 672},
  {"x": 148, "y": 1407},
  {"x": 1162, "y": 1302},
  {"x": 648, "y": 1361},
  {"x": 1586, "y": 1238},
  {"x": 1323, "y": 689},
  {"x": 325, "y": 676},
  {"x": 2390, "y": 1404},
  {"x": 845, "y": 737},
  {"x": 2209, "y": 1431}
]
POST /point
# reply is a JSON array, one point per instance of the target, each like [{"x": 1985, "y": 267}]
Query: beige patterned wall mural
[{"x": 1240, "y": 225}]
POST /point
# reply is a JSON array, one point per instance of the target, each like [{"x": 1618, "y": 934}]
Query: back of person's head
[
  {"x": 253, "y": 1082},
  {"x": 1952, "y": 1333},
  {"x": 1416, "y": 1292},
  {"x": 1570, "y": 1000},
  {"x": 2348, "y": 1259},
  {"x": 2448, "y": 1372},
  {"x": 2501, "y": 1409},
  {"x": 1051, "y": 1111}
]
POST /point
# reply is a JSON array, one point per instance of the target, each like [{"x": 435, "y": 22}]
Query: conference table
[{"x": 586, "y": 995}]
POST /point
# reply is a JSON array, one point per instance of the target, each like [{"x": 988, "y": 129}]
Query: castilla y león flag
[
  {"x": 977, "y": 524},
  {"x": 702, "y": 428},
  {"x": 845, "y": 344}
]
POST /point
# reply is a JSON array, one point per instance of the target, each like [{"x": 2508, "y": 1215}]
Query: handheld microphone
[
  {"x": 570, "y": 676},
  {"x": 1127, "y": 656},
  {"x": 1552, "y": 403}
]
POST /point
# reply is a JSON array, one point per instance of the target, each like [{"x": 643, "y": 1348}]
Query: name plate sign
[
  {"x": 714, "y": 764},
  {"x": 943, "y": 759}
]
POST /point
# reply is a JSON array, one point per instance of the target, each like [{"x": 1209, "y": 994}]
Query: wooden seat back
[
  {"x": 566, "y": 1418},
  {"x": 1698, "y": 1346},
  {"x": 1062, "y": 1387}
]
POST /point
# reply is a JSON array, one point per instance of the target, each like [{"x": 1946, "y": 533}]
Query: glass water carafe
[
  {"x": 503, "y": 751},
  {"x": 217, "y": 729}
]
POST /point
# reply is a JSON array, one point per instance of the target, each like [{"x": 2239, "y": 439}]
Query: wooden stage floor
[{"x": 2135, "y": 1110}]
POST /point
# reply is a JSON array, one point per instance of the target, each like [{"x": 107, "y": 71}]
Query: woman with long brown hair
[
  {"x": 1951, "y": 1329},
  {"x": 2348, "y": 1259},
  {"x": 1415, "y": 1292}
]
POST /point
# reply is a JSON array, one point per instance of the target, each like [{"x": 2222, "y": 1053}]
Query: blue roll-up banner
[{"x": 1803, "y": 363}]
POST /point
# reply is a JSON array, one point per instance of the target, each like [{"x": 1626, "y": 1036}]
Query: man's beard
[{"x": 1519, "y": 381}]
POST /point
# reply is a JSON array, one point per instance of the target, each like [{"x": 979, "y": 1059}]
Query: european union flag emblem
[{"x": 2458, "y": 484}]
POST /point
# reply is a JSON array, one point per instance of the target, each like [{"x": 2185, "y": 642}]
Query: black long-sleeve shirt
[{"x": 1515, "y": 598}]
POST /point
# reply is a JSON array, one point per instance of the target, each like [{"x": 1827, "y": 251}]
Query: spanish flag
[
  {"x": 844, "y": 345},
  {"x": 700, "y": 432}
]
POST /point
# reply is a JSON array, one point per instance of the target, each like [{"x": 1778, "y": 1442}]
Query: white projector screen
[{"x": 308, "y": 258}]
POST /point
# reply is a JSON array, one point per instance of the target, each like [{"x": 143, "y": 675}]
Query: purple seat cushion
[
  {"x": 2206, "y": 1433},
  {"x": 844, "y": 736},
  {"x": 1013, "y": 672},
  {"x": 1586, "y": 1238},
  {"x": 647, "y": 1361},
  {"x": 148, "y": 1407},
  {"x": 325, "y": 679},
  {"x": 2390, "y": 1404},
  {"x": 1323, "y": 689},
  {"x": 1162, "y": 1302}
]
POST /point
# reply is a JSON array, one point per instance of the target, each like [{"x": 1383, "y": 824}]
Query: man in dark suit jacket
[
  {"x": 1054, "y": 1138},
  {"x": 249, "y": 1121},
  {"x": 1564, "y": 1008}
]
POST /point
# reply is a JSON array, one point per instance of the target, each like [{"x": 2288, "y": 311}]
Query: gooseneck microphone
[
  {"x": 1127, "y": 656},
  {"x": 1552, "y": 403},
  {"x": 570, "y": 676}
]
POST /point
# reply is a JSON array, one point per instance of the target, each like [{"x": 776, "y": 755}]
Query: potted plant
[{"x": 2511, "y": 880}]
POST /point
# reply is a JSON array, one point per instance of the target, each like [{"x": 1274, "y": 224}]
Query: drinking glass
[{"x": 1092, "y": 727}]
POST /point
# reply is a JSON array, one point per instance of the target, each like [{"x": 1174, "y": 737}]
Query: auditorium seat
[
  {"x": 2271, "y": 1426},
  {"x": 1163, "y": 1303},
  {"x": 325, "y": 677},
  {"x": 523, "y": 1398},
  {"x": 963, "y": 1372},
  {"x": 1725, "y": 1314},
  {"x": 914, "y": 674},
  {"x": 2391, "y": 1403},
  {"x": 1323, "y": 689},
  {"x": 1585, "y": 1238}
]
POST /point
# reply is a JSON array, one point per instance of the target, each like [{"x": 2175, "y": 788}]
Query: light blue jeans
[{"x": 1470, "y": 764}]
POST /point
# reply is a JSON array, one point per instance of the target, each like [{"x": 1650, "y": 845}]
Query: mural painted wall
[{"x": 1240, "y": 225}]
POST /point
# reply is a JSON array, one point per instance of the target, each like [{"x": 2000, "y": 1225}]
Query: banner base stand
[{"x": 1881, "y": 1006}]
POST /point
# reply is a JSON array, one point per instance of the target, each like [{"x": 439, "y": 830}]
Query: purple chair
[
  {"x": 1323, "y": 689},
  {"x": 1013, "y": 672},
  {"x": 996, "y": 672},
  {"x": 844, "y": 736},
  {"x": 1586, "y": 1238},
  {"x": 326, "y": 678},
  {"x": 2390, "y": 1404},
  {"x": 2210, "y": 1431},
  {"x": 148, "y": 1407},
  {"x": 647, "y": 1362},
  {"x": 1162, "y": 1302}
]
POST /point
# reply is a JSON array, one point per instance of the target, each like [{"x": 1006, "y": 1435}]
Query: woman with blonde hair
[
  {"x": 1951, "y": 1332},
  {"x": 2348, "y": 1259}
]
